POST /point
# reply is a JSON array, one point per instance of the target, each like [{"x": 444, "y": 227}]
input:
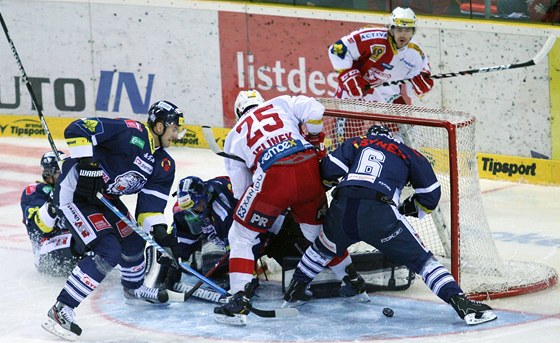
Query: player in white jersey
[
  {"x": 368, "y": 57},
  {"x": 276, "y": 141}
]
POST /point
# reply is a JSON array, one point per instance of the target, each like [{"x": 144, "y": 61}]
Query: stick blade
[{"x": 545, "y": 49}]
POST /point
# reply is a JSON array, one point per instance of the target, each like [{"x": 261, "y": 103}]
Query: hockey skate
[
  {"x": 235, "y": 310},
  {"x": 354, "y": 287},
  {"x": 144, "y": 295},
  {"x": 472, "y": 312},
  {"x": 296, "y": 295},
  {"x": 60, "y": 322}
]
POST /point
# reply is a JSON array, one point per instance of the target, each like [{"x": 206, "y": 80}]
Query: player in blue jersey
[
  {"x": 116, "y": 157},
  {"x": 373, "y": 169},
  {"x": 202, "y": 217},
  {"x": 51, "y": 243}
]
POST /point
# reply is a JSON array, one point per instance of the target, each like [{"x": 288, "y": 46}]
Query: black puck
[{"x": 388, "y": 312}]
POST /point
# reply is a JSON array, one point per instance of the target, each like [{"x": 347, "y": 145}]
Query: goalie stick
[
  {"x": 208, "y": 274},
  {"x": 538, "y": 57},
  {"x": 30, "y": 90},
  {"x": 283, "y": 312},
  {"x": 277, "y": 313},
  {"x": 211, "y": 140}
]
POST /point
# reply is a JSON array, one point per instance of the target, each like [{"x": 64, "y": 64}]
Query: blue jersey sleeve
[
  {"x": 427, "y": 190},
  {"x": 83, "y": 134},
  {"x": 152, "y": 199}
]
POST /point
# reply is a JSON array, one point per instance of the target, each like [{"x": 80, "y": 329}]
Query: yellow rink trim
[
  {"x": 494, "y": 167},
  {"x": 554, "y": 73}
]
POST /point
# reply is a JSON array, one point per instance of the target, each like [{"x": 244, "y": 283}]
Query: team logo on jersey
[
  {"x": 90, "y": 124},
  {"x": 30, "y": 189},
  {"x": 261, "y": 220},
  {"x": 137, "y": 141},
  {"x": 145, "y": 166},
  {"x": 123, "y": 228},
  {"x": 377, "y": 51},
  {"x": 166, "y": 164},
  {"x": 150, "y": 157},
  {"x": 133, "y": 124},
  {"x": 128, "y": 183},
  {"x": 245, "y": 203},
  {"x": 339, "y": 49},
  {"x": 371, "y": 35},
  {"x": 99, "y": 222},
  {"x": 386, "y": 66}
]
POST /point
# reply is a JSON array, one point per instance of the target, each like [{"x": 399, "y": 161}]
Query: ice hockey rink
[{"x": 524, "y": 220}]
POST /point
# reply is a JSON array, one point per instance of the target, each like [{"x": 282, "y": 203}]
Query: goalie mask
[
  {"x": 49, "y": 164},
  {"x": 246, "y": 100},
  {"x": 192, "y": 198}
]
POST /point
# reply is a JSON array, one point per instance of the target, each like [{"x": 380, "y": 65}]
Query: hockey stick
[
  {"x": 538, "y": 57},
  {"x": 30, "y": 90},
  {"x": 211, "y": 140},
  {"x": 201, "y": 293},
  {"x": 277, "y": 313},
  {"x": 208, "y": 274},
  {"x": 134, "y": 227}
]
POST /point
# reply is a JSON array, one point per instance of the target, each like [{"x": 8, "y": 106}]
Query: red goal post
[{"x": 457, "y": 232}]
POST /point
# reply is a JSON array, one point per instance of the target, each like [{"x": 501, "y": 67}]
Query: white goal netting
[{"x": 457, "y": 232}]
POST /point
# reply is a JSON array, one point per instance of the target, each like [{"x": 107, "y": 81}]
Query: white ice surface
[{"x": 526, "y": 218}]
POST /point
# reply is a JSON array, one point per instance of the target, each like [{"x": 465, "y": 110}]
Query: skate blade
[
  {"x": 144, "y": 303},
  {"x": 52, "y": 327},
  {"x": 237, "y": 319},
  {"x": 293, "y": 304},
  {"x": 487, "y": 316},
  {"x": 358, "y": 298}
]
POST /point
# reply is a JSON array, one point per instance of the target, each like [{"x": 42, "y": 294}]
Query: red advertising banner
[{"x": 276, "y": 56}]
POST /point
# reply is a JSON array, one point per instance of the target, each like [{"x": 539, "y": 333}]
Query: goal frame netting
[{"x": 481, "y": 277}]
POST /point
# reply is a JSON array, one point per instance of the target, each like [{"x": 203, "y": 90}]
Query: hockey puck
[{"x": 388, "y": 312}]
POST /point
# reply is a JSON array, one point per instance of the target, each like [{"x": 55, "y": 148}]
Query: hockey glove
[
  {"x": 90, "y": 179},
  {"x": 51, "y": 209},
  {"x": 353, "y": 82},
  {"x": 165, "y": 239},
  {"x": 318, "y": 142},
  {"x": 422, "y": 83},
  {"x": 408, "y": 208}
]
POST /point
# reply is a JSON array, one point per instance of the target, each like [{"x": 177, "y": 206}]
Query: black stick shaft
[{"x": 29, "y": 88}]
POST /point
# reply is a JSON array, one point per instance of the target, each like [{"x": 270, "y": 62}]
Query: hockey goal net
[{"x": 457, "y": 232}]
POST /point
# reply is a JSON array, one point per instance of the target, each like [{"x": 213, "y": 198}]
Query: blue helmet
[
  {"x": 378, "y": 130},
  {"x": 49, "y": 163},
  {"x": 165, "y": 112},
  {"x": 192, "y": 198}
]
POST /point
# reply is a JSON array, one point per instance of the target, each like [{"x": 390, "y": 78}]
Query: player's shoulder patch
[
  {"x": 417, "y": 49},
  {"x": 339, "y": 49}
]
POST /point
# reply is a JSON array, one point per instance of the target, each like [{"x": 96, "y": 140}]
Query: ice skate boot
[
  {"x": 235, "y": 310},
  {"x": 146, "y": 295},
  {"x": 296, "y": 295},
  {"x": 354, "y": 286},
  {"x": 472, "y": 312},
  {"x": 60, "y": 322}
]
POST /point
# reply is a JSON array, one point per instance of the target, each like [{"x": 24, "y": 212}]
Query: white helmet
[
  {"x": 402, "y": 17},
  {"x": 245, "y": 100}
]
